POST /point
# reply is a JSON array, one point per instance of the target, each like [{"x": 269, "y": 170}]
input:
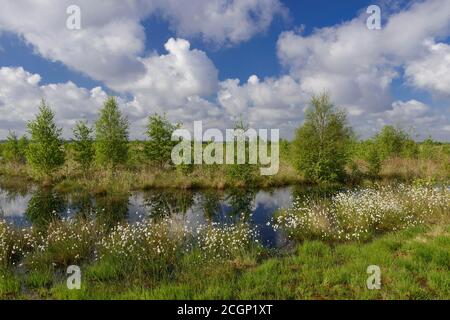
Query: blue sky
[
  {"x": 237, "y": 61},
  {"x": 284, "y": 45}
]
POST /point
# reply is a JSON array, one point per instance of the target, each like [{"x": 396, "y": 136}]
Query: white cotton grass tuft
[{"x": 358, "y": 214}]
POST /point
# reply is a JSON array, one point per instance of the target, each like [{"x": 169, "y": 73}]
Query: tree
[
  {"x": 321, "y": 147},
  {"x": 111, "y": 134},
  {"x": 15, "y": 149},
  {"x": 373, "y": 158},
  {"x": 45, "y": 152},
  {"x": 241, "y": 172},
  {"x": 84, "y": 145},
  {"x": 160, "y": 145},
  {"x": 395, "y": 142}
]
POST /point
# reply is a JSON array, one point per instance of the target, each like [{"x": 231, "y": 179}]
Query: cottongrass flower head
[{"x": 361, "y": 213}]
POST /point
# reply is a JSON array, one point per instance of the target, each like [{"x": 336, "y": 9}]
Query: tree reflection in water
[
  {"x": 164, "y": 203},
  {"x": 44, "y": 206},
  {"x": 241, "y": 202}
]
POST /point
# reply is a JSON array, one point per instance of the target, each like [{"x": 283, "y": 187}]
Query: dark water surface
[{"x": 28, "y": 206}]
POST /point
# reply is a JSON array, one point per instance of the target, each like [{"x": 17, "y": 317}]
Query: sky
[{"x": 218, "y": 61}]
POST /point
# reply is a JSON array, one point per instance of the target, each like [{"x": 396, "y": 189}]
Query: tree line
[{"x": 321, "y": 150}]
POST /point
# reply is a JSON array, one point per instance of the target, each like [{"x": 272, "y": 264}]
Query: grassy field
[
  {"x": 414, "y": 264},
  {"x": 405, "y": 231}
]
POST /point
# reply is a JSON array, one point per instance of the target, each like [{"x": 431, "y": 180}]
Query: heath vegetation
[{"x": 390, "y": 206}]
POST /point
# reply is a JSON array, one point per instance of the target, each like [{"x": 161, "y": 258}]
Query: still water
[{"x": 24, "y": 207}]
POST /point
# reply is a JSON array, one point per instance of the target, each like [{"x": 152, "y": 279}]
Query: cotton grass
[{"x": 360, "y": 214}]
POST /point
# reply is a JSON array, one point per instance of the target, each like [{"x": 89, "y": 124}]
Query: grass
[
  {"x": 414, "y": 264},
  {"x": 139, "y": 174},
  {"x": 164, "y": 260}
]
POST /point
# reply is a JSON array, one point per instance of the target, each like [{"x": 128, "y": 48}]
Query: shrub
[
  {"x": 149, "y": 245},
  {"x": 395, "y": 142},
  {"x": 14, "y": 149},
  {"x": 45, "y": 152},
  {"x": 14, "y": 244},
  {"x": 321, "y": 147},
  {"x": 219, "y": 242}
]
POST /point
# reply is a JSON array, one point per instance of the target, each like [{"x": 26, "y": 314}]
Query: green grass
[
  {"x": 140, "y": 174},
  {"x": 415, "y": 264},
  {"x": 160, "y": 259}
]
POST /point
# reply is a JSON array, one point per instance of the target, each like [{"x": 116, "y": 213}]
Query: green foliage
[
  {"x": 14, "y": 149},
  {"x": 160, "y": 145},
  {"x": 321, "y": 147},
  {"x": 395, "y": 142},
  {"x": 244, "y": 172},
  {"x": 111, "y": 133},
  {"x": 373, "y": 159},
  {"x": 84, "y": 145},
  {"x": 45, "y": 152}
]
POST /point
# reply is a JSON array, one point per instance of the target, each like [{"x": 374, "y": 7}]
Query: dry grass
[{"x": 410, "y": 169}]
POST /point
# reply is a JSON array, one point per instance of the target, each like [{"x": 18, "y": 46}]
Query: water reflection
[
  {"x": 39, "y": 206},
  {"x": 44, "y": 207},
  {"x": 163, "y": 203}
]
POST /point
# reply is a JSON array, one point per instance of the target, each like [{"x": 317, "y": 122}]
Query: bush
[
  {"x": 321, "y": 147},
  {"x": 395, "y": 142},
  {"x": 14, "y": 149},
  {"x": 361, "y": 214}
]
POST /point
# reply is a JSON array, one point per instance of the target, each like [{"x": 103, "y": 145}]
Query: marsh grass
[
  {"x": 414, "y": 265},
  {"x": 139, "y": 174},
  {"x": 360, "y": 214},
  {"x": 162, "y": 259}
]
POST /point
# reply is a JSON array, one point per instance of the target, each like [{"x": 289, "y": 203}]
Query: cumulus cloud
[
  {"x": 111, "y": 38},
  {"x": 222, "y": 21},
  {"x": 412, "y": 115},
  {"x": 21, "y": 92},
  {"x": 105, "y": 48},
  {"x": 355, "y": 65},
  {"x": 171, "y": 78},
  {"x": 268, "y": 103},
  {"x": 431, "y": 71}
]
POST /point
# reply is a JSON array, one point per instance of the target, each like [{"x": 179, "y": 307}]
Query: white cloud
[
  {"x": 171, "y": 78},
  {"x": 356, "y": 65},
  {"x": 21, "y": 92},
  {"x": 432, "y": 70},
  {"x": 105, "y": 48},
  {"x": 273, "y": 102},
  {"x": 412, "y": 114},
  {"x": 222, "y": 21},
  {"x": 111, "y": 38}
]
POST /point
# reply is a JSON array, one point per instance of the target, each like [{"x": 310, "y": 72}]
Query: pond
[{"x": 35, "y": 206}]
